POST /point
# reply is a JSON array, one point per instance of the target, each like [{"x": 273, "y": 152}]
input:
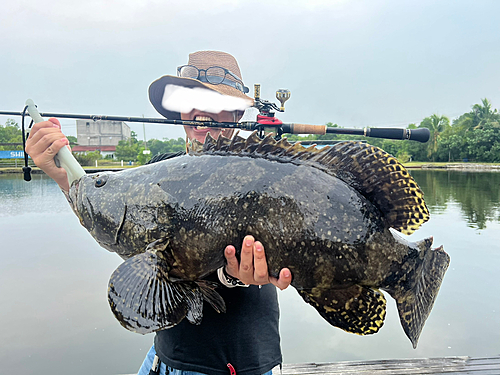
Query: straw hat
[{"x": 201, "y": 60}]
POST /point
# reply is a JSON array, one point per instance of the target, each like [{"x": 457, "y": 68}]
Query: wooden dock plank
[
  {"x": 424, "y": 366},
  {"x": 445, "y": 365}
]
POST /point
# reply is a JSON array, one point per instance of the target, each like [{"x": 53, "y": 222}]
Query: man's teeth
[{"x": 202, "y": 118}]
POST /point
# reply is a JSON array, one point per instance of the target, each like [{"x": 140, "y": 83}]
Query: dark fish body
[{"x": 325, "y": 214}]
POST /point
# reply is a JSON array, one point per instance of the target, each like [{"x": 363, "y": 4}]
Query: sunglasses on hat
[{"x": 214, "y": 75}]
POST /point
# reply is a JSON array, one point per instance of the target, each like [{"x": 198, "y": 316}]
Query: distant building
[{"x": 100, "y": 135}]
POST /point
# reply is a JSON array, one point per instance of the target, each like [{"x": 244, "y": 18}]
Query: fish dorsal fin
[
  {"x": 382, "y": 179},
  {"x": 369, "y": 170}
]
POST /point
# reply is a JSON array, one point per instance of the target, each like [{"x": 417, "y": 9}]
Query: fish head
[{"x": 99, "y": 204}]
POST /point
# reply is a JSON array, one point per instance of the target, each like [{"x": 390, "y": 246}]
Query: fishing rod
[{"x": 266, "y": 123}]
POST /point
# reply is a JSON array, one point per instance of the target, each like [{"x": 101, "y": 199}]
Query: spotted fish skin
[{"x": 325, "y": 214}]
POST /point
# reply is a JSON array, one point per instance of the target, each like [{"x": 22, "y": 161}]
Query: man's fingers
[
  {"x": 260, "y": 264},
  {"x": 43, "y": 138},
  {"x": 252, "y": 267},
  {"x": 44, "y": 125},
  {"x": 48, "y": 143},
  {"x": 55, "y": 121},
  {"x": 232, "y": 266},
  {"x": 285, "y": 278},
  {"x": 54, "y": 148},
  {"x": 246, "y": 261}
]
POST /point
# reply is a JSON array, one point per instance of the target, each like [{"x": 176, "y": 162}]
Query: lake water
[{"x": 55, "y": 317}]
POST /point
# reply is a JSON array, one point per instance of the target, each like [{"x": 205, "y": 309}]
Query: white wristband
[{"x": 228, "y": 280}]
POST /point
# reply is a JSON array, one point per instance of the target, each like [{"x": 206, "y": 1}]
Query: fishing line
[{"x": 26, "y": 168}]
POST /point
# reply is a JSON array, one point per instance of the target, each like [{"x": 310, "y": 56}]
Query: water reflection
[
  {"x": 17, "y": 197},
  {"x": 477, "y": 193}
]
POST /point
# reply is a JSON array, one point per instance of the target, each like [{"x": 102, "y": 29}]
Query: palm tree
[
  {"x": 436, "y": 124},
  {"x": 483, "y": 114}
]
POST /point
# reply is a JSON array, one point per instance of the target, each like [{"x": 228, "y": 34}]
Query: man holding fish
[{"x": 245, "y": 339}]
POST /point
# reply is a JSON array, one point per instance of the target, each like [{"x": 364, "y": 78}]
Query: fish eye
[{"x": 101, "y": 181}]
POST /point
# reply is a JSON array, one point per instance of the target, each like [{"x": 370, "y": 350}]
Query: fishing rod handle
[
  {"x": 64, "y": 158},
  {"x": 419, "y": 135},
  {"x": 305, "y": 129}
]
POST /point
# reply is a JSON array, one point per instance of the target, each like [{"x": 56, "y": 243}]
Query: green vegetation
[
  {"x": 474, "y": 136},
  {"x": 167, "y": 145},
  {"x": 132, "y": 149},
  {"x": 128, "y": 150},
  {"x": 87, "y": 159},
  {"x": 10, "y": 133},
  {"x": 72, "y": 140}
]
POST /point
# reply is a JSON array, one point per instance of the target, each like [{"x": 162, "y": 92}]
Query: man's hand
[
  {"x": 44, "y": 142},
  {"x": 252, "y": 268}
]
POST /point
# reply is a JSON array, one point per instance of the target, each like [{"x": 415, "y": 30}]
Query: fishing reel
[{"x": 267, "y": 122}]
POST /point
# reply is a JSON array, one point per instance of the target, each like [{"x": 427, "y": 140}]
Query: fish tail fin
[
  {"x": 415, "y": 295},
  {"x": 144, "y": 300}
]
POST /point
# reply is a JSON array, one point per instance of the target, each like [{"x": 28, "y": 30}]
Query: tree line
[
  {"x": 10, "y": 133},
  {"x": 474, "y": 136},
  {"x": 471, "y": 137},
  {"x": 133, "y": 149}
]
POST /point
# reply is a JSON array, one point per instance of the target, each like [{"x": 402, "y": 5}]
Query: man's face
[{"x": 199, "y": 133}]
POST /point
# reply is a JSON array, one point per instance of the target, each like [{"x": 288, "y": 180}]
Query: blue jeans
[{"x": 148, "y": 363}]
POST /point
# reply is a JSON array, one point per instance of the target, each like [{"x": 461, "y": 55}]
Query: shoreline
[
  {"x": 35, "y": 170},
  {"x": 464, "y": 167}
]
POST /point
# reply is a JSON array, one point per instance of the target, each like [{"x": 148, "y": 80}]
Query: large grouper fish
[{"x": 330, "y": 215}]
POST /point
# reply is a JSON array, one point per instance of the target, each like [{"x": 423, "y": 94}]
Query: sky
[{"x": 355, "y": 63}]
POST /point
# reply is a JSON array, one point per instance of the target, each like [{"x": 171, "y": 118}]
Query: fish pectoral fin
[
  {"x": 144, "y": 300},
  {"x": 357, "y": 309}
]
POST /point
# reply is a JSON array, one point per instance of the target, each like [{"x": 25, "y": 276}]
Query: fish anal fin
[
  {"x": 144, "y": 300},
  {"x": 207, "y": 289},
  {"x": 195, "y": 309},
  {"x": 357, "y": 309}
]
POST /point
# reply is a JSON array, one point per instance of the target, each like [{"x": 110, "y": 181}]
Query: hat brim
[{"x": 157, "y": 90}]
